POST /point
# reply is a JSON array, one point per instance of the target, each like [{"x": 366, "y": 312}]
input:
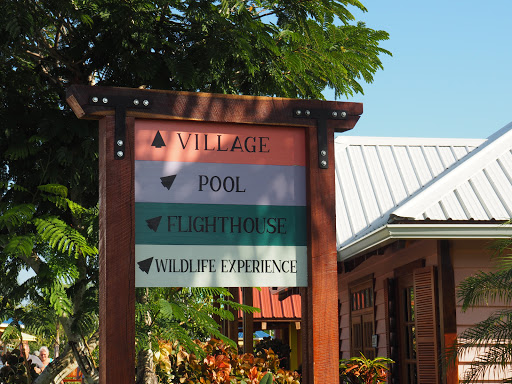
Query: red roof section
[{"x": 272, "y": 309}]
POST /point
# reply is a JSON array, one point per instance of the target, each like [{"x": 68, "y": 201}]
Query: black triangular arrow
[
  {"x": 167, "y": 181},
  {"x": 144, "y": 265},
  {"x": 158, "y": 142},
  {"x": 154, "y": 223}
]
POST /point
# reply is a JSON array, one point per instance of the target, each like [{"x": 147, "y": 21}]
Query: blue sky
[{"x": 450, "y": 74}]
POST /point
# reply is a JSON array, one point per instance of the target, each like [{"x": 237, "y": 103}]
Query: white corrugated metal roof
[
  {"x": 478, "y": 188},
  {"x": 422, "y": 179}
]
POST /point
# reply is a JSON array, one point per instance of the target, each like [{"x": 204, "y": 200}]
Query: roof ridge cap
[{"x": 441, "y": 185}]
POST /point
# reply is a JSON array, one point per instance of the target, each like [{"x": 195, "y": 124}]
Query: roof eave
[{"x": 391, "y": 232}]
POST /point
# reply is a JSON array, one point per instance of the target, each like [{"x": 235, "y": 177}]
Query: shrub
[
  {"x": 221, "y": 365},
  {"x": 360, "y": 370}
]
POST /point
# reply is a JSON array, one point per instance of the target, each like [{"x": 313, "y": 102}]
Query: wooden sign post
[{"x": 251, "y": 207}]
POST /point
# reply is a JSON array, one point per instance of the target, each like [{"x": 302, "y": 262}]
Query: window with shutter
[
  {"x": 418, "y": 347},
  {"x": 391, "y": 319},
  {"x": 407, "y": 330},
  {"x": 362, "y": 317}
]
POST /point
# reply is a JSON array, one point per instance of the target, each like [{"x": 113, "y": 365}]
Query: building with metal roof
[
  {"x": 429, "y": 186},
  {"x": 414, "y": 217}
]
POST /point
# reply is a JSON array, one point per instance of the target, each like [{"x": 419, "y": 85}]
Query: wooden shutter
[{"x": 427, "y": 351}]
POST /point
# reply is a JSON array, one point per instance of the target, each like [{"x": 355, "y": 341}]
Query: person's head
[{"x": 44, "y": 353}]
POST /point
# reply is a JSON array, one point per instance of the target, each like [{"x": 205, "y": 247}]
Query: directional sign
[
  {"x": 215, "y": 183},
  {"x": 219, "y": 224},
  {"x": 202, "y": 265},
  {"x": 219, "y": 205},
  {"x": 213, "y": 143}
]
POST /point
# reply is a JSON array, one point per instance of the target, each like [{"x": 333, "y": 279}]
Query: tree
[
  {"x": 181, "y": 315},
  {"x": 492, "y": 337},
  {"x": 48, "y": 158},
  {"x": 34, "y": 234}
]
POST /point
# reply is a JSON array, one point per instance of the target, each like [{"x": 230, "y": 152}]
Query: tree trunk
[
  {"x": 82, "y": 354},
  {"x": 57, "y": 341},
  {"x": 146, "y": 368}
]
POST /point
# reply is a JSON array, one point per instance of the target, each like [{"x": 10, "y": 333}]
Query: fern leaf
[
  {"x": 62, "y": 237},
  {"x": 20, "y": 245},
  {"x": 54, "y": 189},
  {"x": 59, "y": 300},
  {"x": 171, "y": 310}
]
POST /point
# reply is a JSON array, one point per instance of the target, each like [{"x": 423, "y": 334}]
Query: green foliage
[
  {"x": 282, "y": 48},
  {"x": 63, "y": 238},
  {"x": 491, "y": 337},
  {"x": 11, "y": 333},
  {"x": 363, "y": 370},
  {"x": 37, "y": 235},
  {"x": 221, "y": 364},
  {"x": 182, "y": 315},
  {"x": 20, "y": 245},
  {"x": 16, "y": 216},
  {"x": 267, "y": 379}
]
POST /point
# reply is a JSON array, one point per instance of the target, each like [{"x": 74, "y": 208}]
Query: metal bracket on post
[
  {"x": 121, "y": 105},
  {"x": 321, "y": 116},
  {"x": 120, "y": 132},
  {"x": 321, "y": 137}
]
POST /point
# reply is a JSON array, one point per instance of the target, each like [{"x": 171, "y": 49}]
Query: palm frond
[
  {"x": 491, "y": 340},
  {"x": 485, "y": 287}
]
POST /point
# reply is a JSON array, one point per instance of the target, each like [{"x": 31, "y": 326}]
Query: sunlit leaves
[
  {"x": 182, "y": 315},
  {"x": 175, "y": 45},
  {"x": 484, "y": 288},
  {"x": 59, "y": 300},
  {"x": 488, "y": 340},
  {"x": 16, "y": 216},
  {"x": 55, "y": 189},
  {"x": 171, "y": 310},
  {"x": 63, "y": 238}
]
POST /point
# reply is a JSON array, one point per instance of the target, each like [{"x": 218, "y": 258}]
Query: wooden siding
[
  {"x": 469, "y": 257},
  {"x": 382, "y": 267}
]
